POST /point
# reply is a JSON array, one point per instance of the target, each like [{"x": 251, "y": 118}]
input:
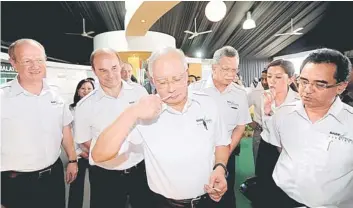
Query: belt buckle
[
  {"x": 127, "y": 171},
  {"x": 44, "y": 171},
  {"x": 196, "y": 201}
]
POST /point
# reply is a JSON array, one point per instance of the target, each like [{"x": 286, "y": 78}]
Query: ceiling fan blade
[
  {"x": 296, "y": 33},
  {"x": 89, "y": 37},
  {"x": 195, "y": 24},
  {"x": 90, "y": 32},
  {"x": 209, "y": 31},
  {"x": 191, "y": 37},
  {"x": 83, "y": 24},
  {"x": 73, "y": 34},
  {"x": 189, "y": 32},
  {"x": 297, "y": 30}
]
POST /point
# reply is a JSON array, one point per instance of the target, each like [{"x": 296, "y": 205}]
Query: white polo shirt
[
  {"x": 316, "y": 163},
  {"x": 179, "y": 147},
  {"x": 255, "y": 98},
  {"x": 97, "y": 111},
  {"x": 266, "y": 121},
  {"x": 232, "y": 103},
  {"x": 31, "y": 127}
]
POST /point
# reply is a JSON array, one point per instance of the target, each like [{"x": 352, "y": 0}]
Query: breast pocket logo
[
  {"x": 132, "y": 102},
  {"x": 232, "y": 105},
  {"x": 54, "y": 102}
]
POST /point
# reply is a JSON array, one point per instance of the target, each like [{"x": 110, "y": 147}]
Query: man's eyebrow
[{"x": 321, "y": 81}]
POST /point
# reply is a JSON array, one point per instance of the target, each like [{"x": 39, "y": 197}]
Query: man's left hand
[
  {"x": 217, "y": 185},
  {"x": 71, "y": 172}
]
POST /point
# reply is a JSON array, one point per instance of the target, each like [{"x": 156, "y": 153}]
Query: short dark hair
[
  {"x": 331, "y": 56},
  {"x": 288, "y": 68},
  {"x": 264, "y": 71}
]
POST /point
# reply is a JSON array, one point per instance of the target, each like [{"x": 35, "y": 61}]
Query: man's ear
[
  {"x": 341, "y": 87},
  {"x": 13, "y": 63}
]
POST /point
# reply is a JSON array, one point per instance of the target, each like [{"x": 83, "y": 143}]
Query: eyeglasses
[
  {"x": 164, "y": 82},
  {"x": 229, "y": 70},
  {"x": 28, "y": 62},
  {"x": 317, "y": 85}
]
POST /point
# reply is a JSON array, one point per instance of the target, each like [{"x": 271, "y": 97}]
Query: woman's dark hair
[
  {"x": 288, "y": 68},
  {"x": 77, "y": 98},
  {"x": 133, "y": 78},
  {"x": 330, "y": 56}
]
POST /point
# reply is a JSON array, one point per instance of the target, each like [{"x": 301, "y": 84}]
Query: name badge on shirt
[{"x": 232, "y": 105}]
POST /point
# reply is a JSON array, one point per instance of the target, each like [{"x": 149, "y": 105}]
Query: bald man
[
  {"x": 35, "y": 121},
  {"x": 124, "y": 174}
]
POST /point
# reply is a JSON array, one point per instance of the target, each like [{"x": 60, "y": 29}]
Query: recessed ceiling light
[
  {"x": 143, "y": 21},
  {"x": 199, "y": 54}
]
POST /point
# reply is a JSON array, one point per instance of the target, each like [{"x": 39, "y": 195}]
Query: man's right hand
[
  {"x": 84, "y": 155},
  {"x": 148, "y": 107}
]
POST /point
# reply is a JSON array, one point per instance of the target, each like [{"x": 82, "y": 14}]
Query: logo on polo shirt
[
  {"x": 338, "y": 136},
  {"x": 55, "y": 102},
  {"x": 132, "y": 102},
  {"x": 232, "y": 104}
]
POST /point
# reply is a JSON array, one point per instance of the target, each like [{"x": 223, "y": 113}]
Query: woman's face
[
  {"x": 277, "y": 79},
  {"x": 85, "y": 89}
]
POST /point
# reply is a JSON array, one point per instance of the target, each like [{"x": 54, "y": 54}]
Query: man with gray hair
[
  {"x": 232, "y": 102},
  {"x": 184, "y": 140}
]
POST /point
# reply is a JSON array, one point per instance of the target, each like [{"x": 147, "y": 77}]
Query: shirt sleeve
[
  {"x": 67, "y": 115},
  {"x": 244, "y": 113},
  {"x": 82, "y": 127},
  {"x": 270, "y": 132}
]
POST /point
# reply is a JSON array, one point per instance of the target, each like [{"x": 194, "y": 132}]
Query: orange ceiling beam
[{"x": 146, "y": 15}]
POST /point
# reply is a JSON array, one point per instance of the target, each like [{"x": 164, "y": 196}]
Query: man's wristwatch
[
  {"x": 72, "y": 161},
  {"x": 223, "y": 166}
]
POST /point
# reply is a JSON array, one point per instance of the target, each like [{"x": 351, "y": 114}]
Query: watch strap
[{"x": 223, "y": 166}]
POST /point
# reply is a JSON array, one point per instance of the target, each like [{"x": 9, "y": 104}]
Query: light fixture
[
  {"x": 199, "y": 54},
  {"x": 143, "y": 21},
  {"x": 249, "y": 23},
  {"x": 215, "y": 10}
]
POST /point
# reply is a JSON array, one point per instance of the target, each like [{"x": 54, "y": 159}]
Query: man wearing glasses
[
  {"x": 315, "y": 135},
  {"x": 184, "y": 141},
  {"x": 35, "y": 121},
  {"x": 232, "y": 103}
]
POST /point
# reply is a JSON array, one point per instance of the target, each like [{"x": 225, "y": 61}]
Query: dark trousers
[
  {"x": 201, "y": 202},
  {"x": 270, "y": 195},
  {"x": 111, "y": 188},
  {"x": 34, "y": 189},
  {"x": 228, "y": 199},
  {"x": 77, "y": 186}
]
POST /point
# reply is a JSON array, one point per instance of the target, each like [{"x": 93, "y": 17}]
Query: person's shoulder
[
  {"x": 288, "y": 108},
  {"x": 5, "y": 88},
  {"x": 205, "y": 100},
  {"x": 238, "y": 89},
  {"x": 198, "y": 85},
  {"x": 86, "y": 100},
  {"x": 347, "y": 108}
]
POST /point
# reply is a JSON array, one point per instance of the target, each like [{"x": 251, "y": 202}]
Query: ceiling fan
[
  {"x": 84, "y": 33},
  {"x": 293, "y": 32},
  {"x": 195, "y": 34}
]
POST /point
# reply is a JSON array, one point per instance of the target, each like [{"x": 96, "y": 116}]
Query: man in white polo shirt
[
  {"x": 232, "y": 102},
  {"x": 184, "y": 140},
  {"x": 35, "y": 121},
  {"x": 124, "y": 175},
  {"x": 315, "y": 136}
]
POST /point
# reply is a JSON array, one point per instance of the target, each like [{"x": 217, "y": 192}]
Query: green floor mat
[{"x": 244, "y": 169}]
